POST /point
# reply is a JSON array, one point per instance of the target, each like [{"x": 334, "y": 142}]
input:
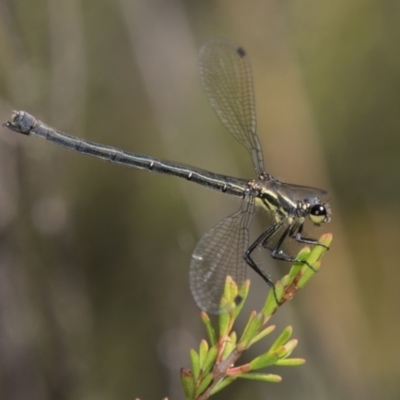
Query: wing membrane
[
  {"x": 227, "y": 80},
  {"x": 220, "y": 253},
  {"x": 303, "y": 192}
]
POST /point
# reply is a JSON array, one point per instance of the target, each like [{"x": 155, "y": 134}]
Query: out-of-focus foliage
[{"x": 94, "y": 258}]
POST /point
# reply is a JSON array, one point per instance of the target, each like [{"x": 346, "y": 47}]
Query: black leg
[
  {"x": 301, "y": 239},
  {"x": 264, "y": 237},
  {"x": 279, "y": 254},
  {"x": 276, "y": 251}
]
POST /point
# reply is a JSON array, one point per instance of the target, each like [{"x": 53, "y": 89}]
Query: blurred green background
[{"x": 94, "y": 294}]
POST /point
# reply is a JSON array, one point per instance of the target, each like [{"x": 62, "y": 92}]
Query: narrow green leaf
[
  {"x": 209, "y": 328},
  {"x": 296, "y": 267},
  {"x": 262, "y": 334},
  {"x": 223, "y": 383},
  {"x": 188, "y": 383},
  {"x": 233, "y": 337},
  {"x": 290, "y": 346},
  {"x": 284, "y": 281},
  {"x": 318, "y": 251},
  {"x": 307, "y": 273},
  {"x": 227, "y": 306},
  {"x": 262, "y": 377},
  {"x": 228, "y": 348},
  {"x": 230, "y": 290},
  {"x": 252, "y": 329},
  {"x": 204, "y": 384},
  {"x": 233, "y": 289},
  {"x": 203, "y": 350},
  {"x": 314, "y": 258},
  {"x": 251, "y": 317},
  {"x": 225, "y": 323},
  {"x": 271, "y": 305},
  {"x": 282, "y": 338},
  {"x": 265, "y": 360},
  {"x": 195, "y": 361},
  {"x": 241, "y": 297},
  {"x": 290, "y": 362},
  {"x": 210, "y": 359}
]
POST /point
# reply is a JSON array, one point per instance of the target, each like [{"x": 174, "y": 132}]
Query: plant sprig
[{"x": 213, "y": 365}]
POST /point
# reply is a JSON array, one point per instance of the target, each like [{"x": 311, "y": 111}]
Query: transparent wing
[
  {"x": 302, "y": 192},
  {"x": 227, "y": 80},
  {"x": 218, "y": 254}
]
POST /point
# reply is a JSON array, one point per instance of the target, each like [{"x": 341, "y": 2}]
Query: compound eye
[{"x": 318, "y": 213}]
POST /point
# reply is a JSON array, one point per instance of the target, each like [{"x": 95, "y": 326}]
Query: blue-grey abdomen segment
[
  {"x": 26, "y": 124},
  {"x": 22, "y": 122}
]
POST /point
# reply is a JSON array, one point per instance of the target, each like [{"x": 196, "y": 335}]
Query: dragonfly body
[
  {"x": 224, "y": 249},
  {"x": 27, "y": 124}
]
